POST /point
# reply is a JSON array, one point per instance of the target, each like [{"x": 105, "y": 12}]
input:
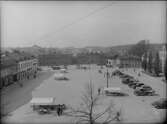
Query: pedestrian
[
  {"x": 118, "y": 116},
  {"x": 58, "y": 110},
  {"x": 61, "y": 109},
  {"x": 99, "y": 90}
]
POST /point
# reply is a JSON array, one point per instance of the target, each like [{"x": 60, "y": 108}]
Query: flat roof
[
  {"x": 58, "y": 75},
  {"x": 42, "y": 100},
  {"x": 112, "y": 88}
]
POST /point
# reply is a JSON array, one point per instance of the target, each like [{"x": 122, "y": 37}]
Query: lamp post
[{"x": 107, "y": 75}]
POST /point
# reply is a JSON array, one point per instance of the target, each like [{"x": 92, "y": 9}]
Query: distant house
[{"x": 130, "y": 61}]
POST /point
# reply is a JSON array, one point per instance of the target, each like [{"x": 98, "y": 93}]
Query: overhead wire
[{"x": 72, "y": 23}]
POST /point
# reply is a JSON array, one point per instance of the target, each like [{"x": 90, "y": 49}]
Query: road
[{"x": 134, "y": 108}]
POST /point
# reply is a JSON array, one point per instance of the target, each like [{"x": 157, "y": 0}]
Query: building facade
[
  {"x": 8, "y": 69},
  {"x": 162, "y": 55},
  {"x": 130, "y": 62},
  {"x": 16, "y": 67},
  {"x": 127, "y": 61}
]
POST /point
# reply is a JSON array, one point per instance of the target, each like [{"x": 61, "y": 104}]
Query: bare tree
[{"x": 87, "y": 113}]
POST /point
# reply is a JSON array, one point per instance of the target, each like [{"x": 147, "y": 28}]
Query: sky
[{"x": 81, "y": 23}]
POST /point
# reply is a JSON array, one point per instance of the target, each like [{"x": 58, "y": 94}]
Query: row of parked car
[
  {"x": 140, "y": 89},
  {"x": 160, "y": 104}
]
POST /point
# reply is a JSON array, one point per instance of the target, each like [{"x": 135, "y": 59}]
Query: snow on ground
[{"x": 133, "y": 108}]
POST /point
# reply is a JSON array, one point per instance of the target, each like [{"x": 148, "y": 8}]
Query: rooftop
[{"x": 12, "y": 58}]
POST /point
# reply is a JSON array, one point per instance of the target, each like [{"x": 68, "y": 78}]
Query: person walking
[
  {"x": 99, "y": 90},
  {"x": 58, "y": 110},
  {"x": 61, "y": 109},
  {"x": 118, "y": 116}
]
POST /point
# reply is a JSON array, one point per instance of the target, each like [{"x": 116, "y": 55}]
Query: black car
[
  {"x": 143, "y": 92},
  {"x": 125, "y": 76},
  {"x": 132, "y": 84},
  {"x": 144, "y": 88},
  {"x": 137, "y": 85},
  {"x": 160, "y": 104},
  {"x": 56, "y": 67},
  {"x": 140, "y": 84},
  {"x": 117, "y": 72},
  {"x": 127, "y": 80}
]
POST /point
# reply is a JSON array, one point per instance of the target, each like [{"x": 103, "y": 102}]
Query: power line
[{"x": 74, "y": 22}]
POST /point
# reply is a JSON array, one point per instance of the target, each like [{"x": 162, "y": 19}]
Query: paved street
[
  {"x": 15, "y": 96},
  {"x": 134, "y": 108}
]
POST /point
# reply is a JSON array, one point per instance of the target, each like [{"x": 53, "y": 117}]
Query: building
[
  {"x": 27, "y": 68},
  {"x": 129, "y": 61},
  {"x": 113, "y": 62},
  {"x": 162, "y": 55},
  {"x": 17, "y": 66},
  {"x": 8, "y": 69}
]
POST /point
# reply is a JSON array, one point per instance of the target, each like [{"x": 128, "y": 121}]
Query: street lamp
[{"x": 107, "y": 75}]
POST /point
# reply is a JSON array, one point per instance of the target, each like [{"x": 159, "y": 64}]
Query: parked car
[
  {"x": 145, "y": 87},
  {"x": 56, "y": 67},
  {"x": 137, "y": 85},
  {"x": 143, "y": 92},
  {"x": 125, "y": 76},
  {"x": 132, "y": 84},
  {"x": 43, "y": 111},
  {"x": 117, "y": 72},
  {"x": 127, "y": 80},
  {"x": 160, "y": 104},
  {"x": 114, "y": 91},
  {"x": 60, "y": 76}
]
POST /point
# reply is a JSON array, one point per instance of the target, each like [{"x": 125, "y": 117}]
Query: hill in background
[{"x": 121, "y": 49}]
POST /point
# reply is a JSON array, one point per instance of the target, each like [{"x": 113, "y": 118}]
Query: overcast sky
[{"x": 82, "y": 23}]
